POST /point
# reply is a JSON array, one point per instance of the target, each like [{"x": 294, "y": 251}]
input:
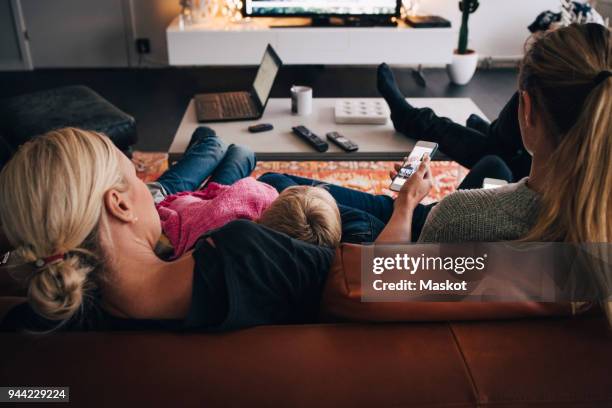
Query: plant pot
[{"x": 463, "y": 67}]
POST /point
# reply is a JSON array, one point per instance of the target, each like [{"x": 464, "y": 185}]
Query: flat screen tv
[{"x": 321, "y": 8}]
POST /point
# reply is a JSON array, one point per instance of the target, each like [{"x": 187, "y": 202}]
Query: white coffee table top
[{"x": 376, "y": 142}]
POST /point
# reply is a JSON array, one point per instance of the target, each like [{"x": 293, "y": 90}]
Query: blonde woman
[
  {"x": 86, "y": 226},
  {"x": 565, "y": 118},
  {"x": 564, "y": 114}
]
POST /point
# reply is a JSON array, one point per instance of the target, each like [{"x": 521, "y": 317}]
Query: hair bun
[{"x": 56, "y": 289}]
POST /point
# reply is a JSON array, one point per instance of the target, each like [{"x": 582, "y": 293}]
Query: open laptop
[{"x": 242, "y": 105}]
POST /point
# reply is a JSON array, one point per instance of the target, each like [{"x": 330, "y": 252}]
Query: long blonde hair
[
  {"x": 567, "y": 74},
  {"x": 51, "y": 202}
]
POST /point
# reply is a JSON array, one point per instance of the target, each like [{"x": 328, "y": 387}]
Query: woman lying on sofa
[
  {"x": 87, "y": 227},
  {"x": 565, "y": 107}
]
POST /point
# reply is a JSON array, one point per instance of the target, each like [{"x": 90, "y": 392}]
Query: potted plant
[{"x": 465, "y": 60}]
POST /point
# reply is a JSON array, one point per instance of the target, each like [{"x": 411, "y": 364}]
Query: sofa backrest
[{"x": 342, "y": 300}]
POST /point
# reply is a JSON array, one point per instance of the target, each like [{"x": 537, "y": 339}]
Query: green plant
[{"x": 467, "y": 7}]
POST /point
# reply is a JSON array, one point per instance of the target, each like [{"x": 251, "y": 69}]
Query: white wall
[
  {"x": 86, "y": 33},
  {"x": 76, "y": 33},
  {"x": 498, "y": 28},
  {"x": 151, "y": 17}
]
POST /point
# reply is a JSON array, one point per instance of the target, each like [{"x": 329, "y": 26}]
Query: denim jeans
[
  {"x": 365, "y": 215},
  {"x": 207, "y": 156}
]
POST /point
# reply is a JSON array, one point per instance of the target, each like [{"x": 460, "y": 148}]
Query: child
[
  {"x": 306, "y": 213},
  {"x": 309, "y": 214},
  {"x": 185, "y": 216}
]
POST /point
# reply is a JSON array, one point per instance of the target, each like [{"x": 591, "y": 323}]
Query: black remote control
[
  {"x": 262, "y": 127},
  {"x": 315, "y": 141},
  {"x": 342, "y": 142}
]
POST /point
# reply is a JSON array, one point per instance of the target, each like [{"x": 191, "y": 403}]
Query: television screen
[{"x": 320, "y": 7}]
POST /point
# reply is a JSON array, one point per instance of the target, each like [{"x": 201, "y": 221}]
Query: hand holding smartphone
[{"x": 411, "y": 164}]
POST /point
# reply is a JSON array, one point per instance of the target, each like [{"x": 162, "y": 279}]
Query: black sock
[{"x": 387, "y": 87}]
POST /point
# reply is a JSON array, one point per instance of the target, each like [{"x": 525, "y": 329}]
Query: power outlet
[{"x": 143, "y": 46}]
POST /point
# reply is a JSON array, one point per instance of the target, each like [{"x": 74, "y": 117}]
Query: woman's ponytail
[{"x": 567, "y": 74}]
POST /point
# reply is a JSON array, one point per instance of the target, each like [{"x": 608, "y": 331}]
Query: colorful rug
[{"x": 368, "y": 176}]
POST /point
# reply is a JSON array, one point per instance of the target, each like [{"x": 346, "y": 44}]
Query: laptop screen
[{"x": 265, "y": 76}]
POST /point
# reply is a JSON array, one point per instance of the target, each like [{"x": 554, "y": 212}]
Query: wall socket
[{"x": 143, "y": 45}]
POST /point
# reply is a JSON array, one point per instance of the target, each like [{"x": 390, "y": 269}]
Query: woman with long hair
[
  {"x": 86, "y": 227},
  {"x": 565, "y": 112},
  {"x": 565, "y": 117}
]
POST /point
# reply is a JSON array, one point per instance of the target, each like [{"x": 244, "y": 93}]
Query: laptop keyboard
[
  {"x": 227, "y": 105},
  {"x": 236, "y": 104}
]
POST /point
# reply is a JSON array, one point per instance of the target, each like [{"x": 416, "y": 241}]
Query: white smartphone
[
  {"x": 412, "y": 163},
  {"x": 493, "y": 183}
]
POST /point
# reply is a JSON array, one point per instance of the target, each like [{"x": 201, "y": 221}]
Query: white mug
[{"x": 301, "y": 100}]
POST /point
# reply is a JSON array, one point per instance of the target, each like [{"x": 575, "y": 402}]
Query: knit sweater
[
  {"x": 187, "y": 215},
  {"x": 499, "y": 214}
]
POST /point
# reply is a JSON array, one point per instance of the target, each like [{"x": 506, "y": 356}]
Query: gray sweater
[{"x": 499, "y": 214}]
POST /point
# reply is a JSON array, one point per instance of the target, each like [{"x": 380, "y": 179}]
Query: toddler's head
[{"x": 306, "y": 213}]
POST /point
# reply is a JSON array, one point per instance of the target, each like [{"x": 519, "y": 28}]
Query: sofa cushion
[
  {"x": 342, "y": 300},
  {"x": 29, "y": 115},
  {"x": 273, "y": 366},
  {"x": 543, "y": 363},
  {"x": 552, "y": 362}
]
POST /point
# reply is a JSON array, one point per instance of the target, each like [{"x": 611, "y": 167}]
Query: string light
[{"x": 232, "y": 10}]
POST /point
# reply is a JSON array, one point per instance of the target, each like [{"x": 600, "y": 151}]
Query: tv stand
[
  {"x": 299, "y": 41},
  {"x": 353, "y": 21}
]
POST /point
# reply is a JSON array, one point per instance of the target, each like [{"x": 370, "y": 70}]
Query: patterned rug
[{"x": 368, "y": 176}]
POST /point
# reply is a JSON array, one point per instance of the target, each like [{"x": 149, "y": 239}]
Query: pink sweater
[{"x": 186, "y": 216}]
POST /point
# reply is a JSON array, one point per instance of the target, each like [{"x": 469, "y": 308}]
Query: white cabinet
[{"x": 217, "y": 42}]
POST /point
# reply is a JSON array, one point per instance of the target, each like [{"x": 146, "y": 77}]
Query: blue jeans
[
  {"x": 365, "y": 215},
  {"x": 207, "y": 156}
]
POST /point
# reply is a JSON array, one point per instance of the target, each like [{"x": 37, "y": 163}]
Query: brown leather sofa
[{"x": 543, "y": 362}]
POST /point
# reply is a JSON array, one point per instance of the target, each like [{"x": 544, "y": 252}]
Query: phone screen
[{"x": 411, "y": 165}]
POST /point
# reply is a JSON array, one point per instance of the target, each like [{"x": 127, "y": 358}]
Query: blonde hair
[
  {"x": 565, "y": 74},
  {"x": 306, "y": 213},
  {"x": 51, "y": 202}
]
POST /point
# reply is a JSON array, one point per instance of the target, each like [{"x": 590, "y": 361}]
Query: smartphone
[
  {"x": 493, "y": 183},
  {"x": 412, "y": 163}
]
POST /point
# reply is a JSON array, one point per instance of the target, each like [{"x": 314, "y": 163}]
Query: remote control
[
  {"x": 315, "y": 141},
  {"x": 261, "y": 127},
  {"x": 342, "y": 142}
]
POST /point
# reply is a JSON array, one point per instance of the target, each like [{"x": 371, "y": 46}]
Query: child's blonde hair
[{"x": 306, "y": 213}]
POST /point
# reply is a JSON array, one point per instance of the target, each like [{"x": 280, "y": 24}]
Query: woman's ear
[{"x": 118, "y": 206}]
